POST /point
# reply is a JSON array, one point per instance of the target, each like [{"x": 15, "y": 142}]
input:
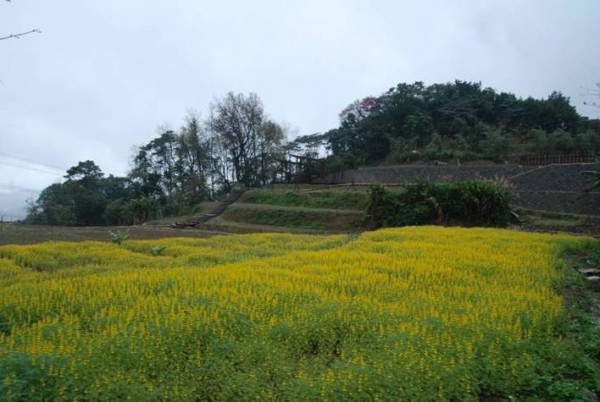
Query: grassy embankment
[
  {"x": 329, "y": 210},
  {"x": 343, "y": 209}
]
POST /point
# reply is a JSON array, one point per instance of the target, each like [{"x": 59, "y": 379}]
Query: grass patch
[
  {"x": 573, "y": 365},
  {"x": 295, "y": 218},
  {"x": 550, "y": 218},
  {"x": 559, "y": 222},
  {"x": 353, "y": 200}
]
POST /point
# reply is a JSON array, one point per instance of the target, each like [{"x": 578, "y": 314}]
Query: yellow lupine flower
[{"x": 413, "y": 306}]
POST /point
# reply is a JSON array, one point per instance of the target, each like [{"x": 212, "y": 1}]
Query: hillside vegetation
[
  {"x": 460, "y": 120},
  {"x": 239, "y": 146},
  {"x": 404, "y": 314}
]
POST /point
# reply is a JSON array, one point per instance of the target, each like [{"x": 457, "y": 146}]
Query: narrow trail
[{"x": 195, "y": 222}]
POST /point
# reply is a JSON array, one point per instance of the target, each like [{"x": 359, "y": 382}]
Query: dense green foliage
[
  {"x": 469, "y": 202},
  {"x": 460, "y": 119},
  {"x": 89, "y": 198}
]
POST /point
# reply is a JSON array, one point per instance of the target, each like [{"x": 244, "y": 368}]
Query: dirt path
[{"x": 27, "y": 234}]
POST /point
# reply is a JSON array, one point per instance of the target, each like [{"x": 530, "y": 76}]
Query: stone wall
[
  {"x": 560, "y": 188},
  {"x": 410, "y": 174}
]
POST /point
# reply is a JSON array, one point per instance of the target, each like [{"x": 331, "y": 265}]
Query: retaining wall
[{"x": 560, "y": 188}]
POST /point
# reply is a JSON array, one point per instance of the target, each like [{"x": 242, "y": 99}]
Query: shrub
[
  {"x": 438, "y": 148},
  {"x": 469, "y": 202},
  {"x": 494, "y": 145},
  {"x": 562, "y": 141}
]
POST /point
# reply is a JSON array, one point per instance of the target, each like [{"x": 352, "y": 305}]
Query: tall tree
[
  {"x": 85, "y": 186},
  {"x": 86, "y": 173},
  {"x": 193, "y": 164},
  {"x": 175, "y": 167},
  {"x": 236, "y": 121},
  {"x": 269, "y": 151},
  {"x": 155, "y": 165}
]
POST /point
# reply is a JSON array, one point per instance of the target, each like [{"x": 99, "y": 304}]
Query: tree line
[
  {"x": 455, "y": 120},
  {"x": 236, "y": 145},
  {"x": 239, "y": 145}
]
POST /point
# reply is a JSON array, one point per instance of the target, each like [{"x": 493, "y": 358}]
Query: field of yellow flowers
[{"x": 424, "y": 313}]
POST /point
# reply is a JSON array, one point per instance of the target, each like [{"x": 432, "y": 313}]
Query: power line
[
  {"x": 29, "y": 168},
  {"x": 17, "y": 188},
  {"x": 46, "y": 165}
]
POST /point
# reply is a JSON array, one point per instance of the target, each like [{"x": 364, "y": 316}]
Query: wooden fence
[{"x": 547, "y": 159}]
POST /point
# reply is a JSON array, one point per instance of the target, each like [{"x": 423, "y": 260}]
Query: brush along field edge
[{"x": 410, "y": 313}]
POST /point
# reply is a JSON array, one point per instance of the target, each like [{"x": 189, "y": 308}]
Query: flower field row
[{"x": 414, "y": 313}]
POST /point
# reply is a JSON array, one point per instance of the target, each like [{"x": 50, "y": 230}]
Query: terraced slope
[{"x": 292, "y": 209}]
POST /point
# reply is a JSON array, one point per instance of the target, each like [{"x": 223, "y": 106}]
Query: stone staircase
[{"x": 195, "y": 222}]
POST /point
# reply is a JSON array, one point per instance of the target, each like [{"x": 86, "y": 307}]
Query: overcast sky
[{"x": 104, "y": 74}]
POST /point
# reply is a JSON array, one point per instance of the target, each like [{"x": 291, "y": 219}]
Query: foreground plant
[
  {"x": 118, "y": 236},
  {"x": 158, "y": 250}
]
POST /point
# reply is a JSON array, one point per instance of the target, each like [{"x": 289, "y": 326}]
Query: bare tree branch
[{"x": 17, "y": 36}]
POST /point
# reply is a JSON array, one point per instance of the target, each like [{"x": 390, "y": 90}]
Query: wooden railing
[{"x": 547, "y": 159}]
